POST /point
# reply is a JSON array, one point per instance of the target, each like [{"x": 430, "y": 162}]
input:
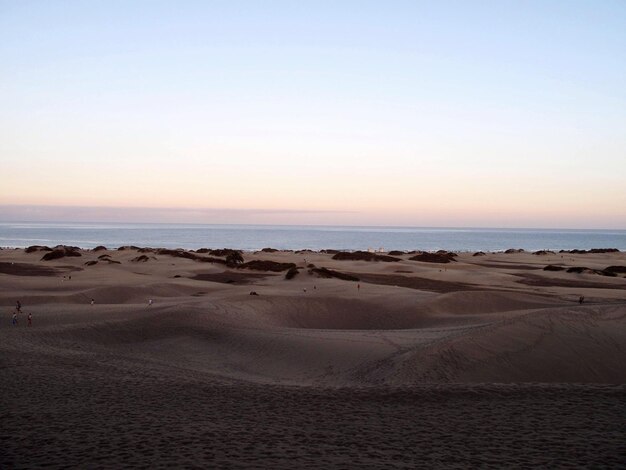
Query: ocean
[{"x": 294, "y": 237}]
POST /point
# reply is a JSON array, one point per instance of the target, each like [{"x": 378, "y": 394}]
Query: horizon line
[{"x": 85, "y": 214}]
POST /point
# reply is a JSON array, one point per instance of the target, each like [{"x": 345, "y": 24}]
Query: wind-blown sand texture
[{"x": 485, "y": 360}]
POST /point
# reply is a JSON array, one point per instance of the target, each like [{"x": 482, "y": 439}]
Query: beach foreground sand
[{"x": 485, "y": 360}]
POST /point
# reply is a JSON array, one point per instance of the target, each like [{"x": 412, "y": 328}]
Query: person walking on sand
[
  {"x": 581, "y": 299},
  {"x": 150, "y": 302},
  {"x": 14, "y": 320},
  {"x": 358, "y": 287},
  {"x": 30, "y": 319},
  {"x": 18, "y": 306},
  {"x": 93, "y": 301}
]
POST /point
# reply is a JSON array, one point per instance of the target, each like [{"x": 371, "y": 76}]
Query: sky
[{"x": 478, "y": 114}]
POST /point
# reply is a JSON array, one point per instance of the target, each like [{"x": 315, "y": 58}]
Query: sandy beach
[{"x": 363, "y": 360}]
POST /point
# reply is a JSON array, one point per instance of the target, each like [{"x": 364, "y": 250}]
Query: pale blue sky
[{"x": 404, "y": 113}]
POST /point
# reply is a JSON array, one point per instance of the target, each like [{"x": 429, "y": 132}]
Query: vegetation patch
[
  {"x": 616, "y": 269},
  {"x": 552, "y": 267},
  {"x": 264, "y": 265},
  {"x": 363, "y": 256},
  {"x": 592, "y": 251},
  {"x": 434, "y": 257},
  {"x": 61, "y": 252},
  {"x": 330, "y": 273},
  {"x": 293, "y": 272},
  {"x": 36, "y": 248}
]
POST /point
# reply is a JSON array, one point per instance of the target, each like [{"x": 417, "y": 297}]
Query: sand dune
[{"x": 213, "y": 376}]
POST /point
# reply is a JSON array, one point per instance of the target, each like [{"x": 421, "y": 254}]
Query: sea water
[{"x": 295, "y": 237}]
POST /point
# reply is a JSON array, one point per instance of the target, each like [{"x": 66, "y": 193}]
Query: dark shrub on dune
[
  {"x": 552, "y": 267},
  {"x": 293, "y": 272},
  {"x": 330, "y": 252},
  {"x": 180, "y": 253},
  {"x": 434, "y": 257},
  {"x": 514, "y": 250},
  {"x": 396, "y": 253},
  {"x": 219, "y": 252},
  {"x": 177, "y": 253},
  {"x": 91, "y": 263},
  {"x": 604, "y": 272},
  {"x": 584, "y": 270},
  {"x": 146, "y": 250},
  {"x": 263, "y": 265},
  {"x": 302, "y": 252},
  {"x": 579, "y": 269},
  {"x": 36, "y": 248},
  {"x": 449, "y": 253},
  {"x": 100, "y": 248},
  {"x": 209, "y": 259},
  {"x": 363, "y": 256},
  {"x": 66, "y": 247},
  {"x": 128, "y": 247},
  {"x": 543, "y": 252},
  {"x": 479, "y": 253},
  {"x": 329, "y": 273},
  {"x": 61, "y": 252},
  {"x": 592, "y": 251},
  {"x": 140, "y": 259},
  {"x": 616, "y": 269},
  {"x": 234, "y": 258},
  {"x": 269, "y": 250},
  {"x": 104, "y": 256}
]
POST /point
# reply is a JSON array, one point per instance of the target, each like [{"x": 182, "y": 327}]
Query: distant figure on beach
[
  {"x": 581, "y": 299},
  {"x": 304, "y": 290},
  {"x": 30, "y": 319},
  {"x": 93, "y": 301},
  {"x": 18, "y": 306},
  {"x": 150, "y": 302},
  {"x": 14, "y": 320},
  {"x": 358, "y": 287}
]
